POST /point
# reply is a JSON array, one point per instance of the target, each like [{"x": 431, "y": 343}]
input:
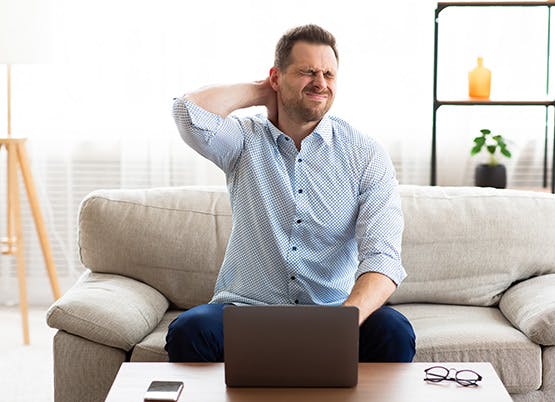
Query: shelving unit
[{"x": 546, "y": 102}]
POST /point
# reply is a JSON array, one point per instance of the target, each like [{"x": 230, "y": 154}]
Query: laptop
[{"x": 291, "y": 346}]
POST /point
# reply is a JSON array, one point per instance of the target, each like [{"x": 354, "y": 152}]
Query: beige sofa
[{"x": 481, "y": 284}]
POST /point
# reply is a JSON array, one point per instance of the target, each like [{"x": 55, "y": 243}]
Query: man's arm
[
  {"x": 379, "y": 230},
  {"x": 202, "y": 118},
  {"x": 370, "y": 292},
  {"x": 224, "y": 99}
]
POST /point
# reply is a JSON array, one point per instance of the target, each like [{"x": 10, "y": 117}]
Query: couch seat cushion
[
  {"x": 450, "y": 333},
  {"x": 151, "y": 348}
]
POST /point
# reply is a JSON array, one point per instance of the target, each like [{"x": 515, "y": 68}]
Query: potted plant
[{"x": 493, "y": 173}]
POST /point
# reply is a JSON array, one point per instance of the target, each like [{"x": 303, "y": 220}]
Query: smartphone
[{"x": 163, "y": 391}]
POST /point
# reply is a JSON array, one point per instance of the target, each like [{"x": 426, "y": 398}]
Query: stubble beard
[{"x": 301, "y": 112}]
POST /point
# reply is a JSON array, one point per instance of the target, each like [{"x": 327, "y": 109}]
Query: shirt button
[
  {"x": 299, "y": 160},
  {"x": 294, "y": 248},
  {"x": 286, "y": 139},
  {"x": 293, "y": 277},
  {"x": 299, "y": 220},
  {"x": 300, "y": 190},
  {"x": 297, "y": 301}
]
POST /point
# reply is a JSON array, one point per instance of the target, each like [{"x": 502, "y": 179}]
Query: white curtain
[{"x": 99, "y": 116}]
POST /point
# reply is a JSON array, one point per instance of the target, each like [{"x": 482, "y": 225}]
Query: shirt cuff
[{"x": 385, "y": 265}]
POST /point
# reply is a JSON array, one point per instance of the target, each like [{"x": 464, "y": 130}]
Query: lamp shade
[{"x": 25, "y": 31}]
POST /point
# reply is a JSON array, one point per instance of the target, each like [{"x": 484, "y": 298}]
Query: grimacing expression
[{"x": 306, "y": 88}]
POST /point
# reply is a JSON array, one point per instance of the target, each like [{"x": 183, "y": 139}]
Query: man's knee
[
  {"x": 387, "y": 336},
  {"x": 190, "y": 322},
  {"x": 196, "y": 335}
]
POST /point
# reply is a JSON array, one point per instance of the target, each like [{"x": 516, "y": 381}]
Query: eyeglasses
[{"x": 465, "y": 378}]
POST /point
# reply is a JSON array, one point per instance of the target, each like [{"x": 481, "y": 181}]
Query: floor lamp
[{"x": 19, "y": 43}]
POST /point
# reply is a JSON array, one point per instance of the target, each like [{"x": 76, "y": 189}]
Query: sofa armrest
[
  {"x": 530, "y": 306},
  {"x": 108, "y": 309}
]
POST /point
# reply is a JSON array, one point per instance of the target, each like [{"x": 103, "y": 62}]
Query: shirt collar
[{"x": 324, "y": 129}]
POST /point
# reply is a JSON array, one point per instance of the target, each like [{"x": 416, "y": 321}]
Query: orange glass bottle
[{"x": 479, "y": 81}]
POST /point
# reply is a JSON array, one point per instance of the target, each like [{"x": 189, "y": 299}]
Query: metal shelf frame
[{"x": 547, "y": 103}]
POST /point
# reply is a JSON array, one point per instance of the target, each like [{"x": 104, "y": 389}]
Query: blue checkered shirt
[{"x": 306, "y": 223}]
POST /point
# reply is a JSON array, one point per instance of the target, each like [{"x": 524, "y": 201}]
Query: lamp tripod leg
[
  {"x": 15, "y": 208},
  {"x": 10, "y": 236},
  {"x": 39, "y": 222},
  {"x": 6, "y": 243}
]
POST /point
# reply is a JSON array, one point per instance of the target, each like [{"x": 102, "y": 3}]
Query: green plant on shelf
[{"x": 491, "y": 143}]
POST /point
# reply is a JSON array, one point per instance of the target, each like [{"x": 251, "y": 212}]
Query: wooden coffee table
[{"x": 204, "y": 382}]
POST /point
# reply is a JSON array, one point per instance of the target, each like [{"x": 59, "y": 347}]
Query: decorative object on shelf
[
  {"x": 493, "y": 173},
  {"x": 479, "y": 81}
]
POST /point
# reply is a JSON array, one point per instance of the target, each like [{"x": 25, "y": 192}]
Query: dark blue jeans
[{"x": 197, "y": 335}]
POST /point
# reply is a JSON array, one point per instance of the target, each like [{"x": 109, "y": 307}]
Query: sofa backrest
[
  {"x": 461, "y": 245},
  {"x": 173, "y": 239},
  {"x": 467, "y": 245}
]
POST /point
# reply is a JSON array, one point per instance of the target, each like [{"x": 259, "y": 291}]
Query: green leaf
[
  {"x": 491, "y": 148},
  {"x": 506, "y": 152},
  {"x": 475, "y": 150},
  {"x": 480, "y": 140},
  {"x": 485, "y": 131}
]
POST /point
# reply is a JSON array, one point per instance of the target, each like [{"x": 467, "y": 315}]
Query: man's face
[{"x": 306, "y": 89}]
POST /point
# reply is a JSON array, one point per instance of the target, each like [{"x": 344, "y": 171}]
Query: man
[{"x": 316, "y": 214}]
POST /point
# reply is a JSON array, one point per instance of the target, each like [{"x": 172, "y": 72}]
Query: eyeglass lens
[
  {"x": 467, "y": 376},
  {"x": 437, "y": 373}
]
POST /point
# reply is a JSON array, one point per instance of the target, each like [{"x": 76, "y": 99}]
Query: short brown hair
[{"x": 308, "y": 33}]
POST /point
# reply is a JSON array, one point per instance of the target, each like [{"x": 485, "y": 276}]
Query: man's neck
[{"x": 298, "y": 131}]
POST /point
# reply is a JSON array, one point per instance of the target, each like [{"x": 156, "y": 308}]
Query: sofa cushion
[
  {"x": 174, "y": 239},
  {"x": 467, "y": 245},
  {"x": 108, "y": 309},
  {"x": 530, "y": 306},
  {"x": 475, "y": 334},
  {"x": 151, "y": 348}
]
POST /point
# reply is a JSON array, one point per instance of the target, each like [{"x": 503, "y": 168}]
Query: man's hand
[{"x": 370, "y": 292}]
